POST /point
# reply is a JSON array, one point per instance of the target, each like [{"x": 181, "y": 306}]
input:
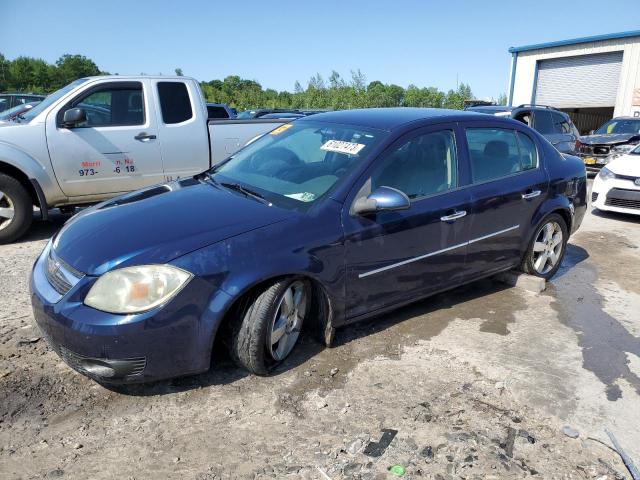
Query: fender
[{"x": 34, "y": 170}]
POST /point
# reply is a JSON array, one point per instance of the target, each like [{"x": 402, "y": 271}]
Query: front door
[
  {"x": 396, "y": 256},
  {"x": 508, "y": 185},
  {"x": 115, "y": 150}
]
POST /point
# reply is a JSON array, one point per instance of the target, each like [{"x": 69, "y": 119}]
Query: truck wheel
[
  {"x": 16, "y": 209},
  {"x": 547, "y": 248},
  {"x": 270, "y": 326}
]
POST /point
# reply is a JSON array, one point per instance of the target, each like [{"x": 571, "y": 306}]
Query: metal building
[{"x": 591, "y": 78}]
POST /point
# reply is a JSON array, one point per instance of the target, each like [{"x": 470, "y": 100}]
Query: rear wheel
[
  {"x": 547, "y": 248},
  {"x": 16, "y": 209},
  {"x": 271, "y": 325}
]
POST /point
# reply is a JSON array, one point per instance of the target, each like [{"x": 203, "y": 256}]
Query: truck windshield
[
  {"x": 297, "y": 163},
  {"x": 620, "y": 126},
  {"x": 49, "y": 100}
]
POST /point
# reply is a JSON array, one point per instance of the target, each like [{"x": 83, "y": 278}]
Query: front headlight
[
  {"x": 136, "y": 289},
  {"x": 606, "y": 174}
]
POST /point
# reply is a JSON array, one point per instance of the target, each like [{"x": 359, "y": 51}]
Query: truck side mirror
[
  {"x": 73, "y": 117},
  {"x": 381, "y": 199}
]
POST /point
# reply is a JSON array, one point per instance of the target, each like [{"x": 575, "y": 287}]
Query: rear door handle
[
  {"x": 453, "y": 216},
  {"x": 142, "y": 136},
  {"x": 530, "y": 195}
]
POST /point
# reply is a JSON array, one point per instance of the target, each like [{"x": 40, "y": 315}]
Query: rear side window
[
  {"x": 216, "y": 112},
  {"x": 543, "y": 122},
  {"x": 497, "y": 152},
  {"x": 560, "y": 123},
  {"x": 174, "y": 102}
]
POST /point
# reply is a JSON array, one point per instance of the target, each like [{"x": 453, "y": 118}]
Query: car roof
[
  {"x": 391, "y": 118},
  {"x": 489, "y": 108}
]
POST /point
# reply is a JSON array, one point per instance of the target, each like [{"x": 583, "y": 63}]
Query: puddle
[{"x": 604, "y": 341}]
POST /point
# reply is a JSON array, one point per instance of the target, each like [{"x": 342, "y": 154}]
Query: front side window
[
  {"x": 297, "y": 163},
  {"x": 497, "y": 152},
  {"x": 174, "y": 102},
  {"x": 111, "y": 106},
  {"x": 422, "y": 166}
]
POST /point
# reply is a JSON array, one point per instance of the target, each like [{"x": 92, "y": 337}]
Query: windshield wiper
[{"x": 246, "y": 191}]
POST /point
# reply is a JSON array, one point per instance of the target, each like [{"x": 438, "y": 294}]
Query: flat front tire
[
  {"x": 547, "y": 247},
  {"x": 16, "y": 209},
  {"x": 270, "y": 325}
]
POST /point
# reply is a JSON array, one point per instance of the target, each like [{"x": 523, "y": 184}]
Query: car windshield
[
  {"x": 620, "y": 126},
  {"x": 49, "y": 100},
  {"x": 246, "y": 114},
  {"x": 297, "y": 163},
  {"x": 9, "y": 114}
]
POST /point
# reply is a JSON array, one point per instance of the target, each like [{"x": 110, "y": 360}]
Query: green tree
[
  {"x": 502, "y": 99},
  {"x": 178, "y": 72},
  {"x": 72, "y": 67}
]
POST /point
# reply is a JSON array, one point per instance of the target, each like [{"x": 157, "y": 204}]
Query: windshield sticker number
[
  {"x": 338, "y": 146},
  {"x": 303, "y": 197},
  {"x": 281, "y": 128}
]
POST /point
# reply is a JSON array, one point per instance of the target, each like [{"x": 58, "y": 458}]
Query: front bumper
[
  {"x": 616, "y": 195},
  {"x": 594, "y": 163},
  {"x": 169, "y": 341}
]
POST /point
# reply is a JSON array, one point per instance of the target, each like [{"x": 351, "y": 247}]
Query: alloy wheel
[
  {"x": 7, "y": 210},
  {"x": 547, "y": 248},
  {"x": 287, "y": 321}
]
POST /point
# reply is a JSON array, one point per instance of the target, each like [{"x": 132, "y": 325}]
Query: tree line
[{"x": 27, "y": 74}]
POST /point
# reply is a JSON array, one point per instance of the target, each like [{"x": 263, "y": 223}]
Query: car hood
[
  {"x": 608, "y": 138},
  {"x": 628, "y": 165},
  {"x": 158, "y": 224}
]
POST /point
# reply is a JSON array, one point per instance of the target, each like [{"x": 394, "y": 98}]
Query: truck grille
[
  {"x": 618, "y": 197},
  {"x": 61, "y": 276}
]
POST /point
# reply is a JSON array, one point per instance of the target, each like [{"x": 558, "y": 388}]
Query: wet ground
[{"x": 475, "y": 383}]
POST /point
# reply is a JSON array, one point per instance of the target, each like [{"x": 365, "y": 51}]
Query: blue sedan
[{"x": 322, "y": 222}]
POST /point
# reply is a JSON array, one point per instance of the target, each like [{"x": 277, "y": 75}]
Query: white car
[{"x": 617, "y": 186}]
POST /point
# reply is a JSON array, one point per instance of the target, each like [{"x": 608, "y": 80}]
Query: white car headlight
[
  {"x": 606, "y": 174},
  {"x": 136, "y": 289}
]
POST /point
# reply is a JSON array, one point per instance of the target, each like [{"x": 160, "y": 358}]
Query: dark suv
[
  {"x": 555, "y": 125},
  {"x": 10, "y": 100}
]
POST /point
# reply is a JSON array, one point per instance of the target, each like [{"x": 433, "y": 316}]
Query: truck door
[
  {"x": 116, "y": 149},
  {"x": 183, "y": 130}
]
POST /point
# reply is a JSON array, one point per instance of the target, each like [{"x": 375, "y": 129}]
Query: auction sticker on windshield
[
  {"x": 281, "y": 128},
  {"x": 339, "y": 146}
]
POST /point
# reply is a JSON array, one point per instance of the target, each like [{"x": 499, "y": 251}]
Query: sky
[{"x": 276, "y": 42}]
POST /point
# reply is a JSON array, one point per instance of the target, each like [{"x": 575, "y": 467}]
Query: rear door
[
  {"x": 508, "y": 184},
  {"x": 183, "y": 131},
  {"x": 116, "y": 149},
  {"x": 396, "y": 256}
]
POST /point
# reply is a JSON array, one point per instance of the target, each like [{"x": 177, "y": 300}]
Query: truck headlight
[
  {"x": 136, "y": 289},
  {"x": 606, "y": 174}
]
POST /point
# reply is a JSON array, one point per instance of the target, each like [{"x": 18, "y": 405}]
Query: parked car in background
[
  {"x": 101, "y": 136},
  {"x": 10, "y": 100},
  {"x": 617, "y": 187},
  {"x": 218, "y": 111},
  {"x": 322, "y": 222},
  {"x": 555, "y": 125},
  {"x": 14, "y": 114},
  {"x": 614, "y": 139},
  {"x": 260, "y": 112}
]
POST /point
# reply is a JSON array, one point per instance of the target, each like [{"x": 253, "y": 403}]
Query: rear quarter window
[{"x": 175, "y": 103}]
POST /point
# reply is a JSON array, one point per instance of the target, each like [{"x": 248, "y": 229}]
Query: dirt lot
[{"x": 478, "y": 383}]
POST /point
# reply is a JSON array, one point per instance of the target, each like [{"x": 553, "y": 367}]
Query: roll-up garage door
[{"x": 575, "y": 82}]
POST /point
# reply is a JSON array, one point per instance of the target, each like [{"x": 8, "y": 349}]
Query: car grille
[
  {"x": 595, "y": 150},
  {"x": 618, "y": 197},
  {"x": 61, "y": 276},
  {"x": 594, "y": 196},
  {"x": 601, "y": 150},
  {"x": 134, "y": 366}
]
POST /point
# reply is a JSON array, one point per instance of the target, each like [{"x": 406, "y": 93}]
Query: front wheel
[
  {"x": 16, "y": 209},
  {"x": 271, "y": 325},
  {"x": 547, "y": 248}
]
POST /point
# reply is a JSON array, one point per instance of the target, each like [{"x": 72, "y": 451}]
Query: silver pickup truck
[{"x": 102, "y": 136}]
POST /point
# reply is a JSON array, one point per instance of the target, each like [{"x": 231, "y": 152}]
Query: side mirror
[
  {"x": 382, "y": 199},
  {"x": 73, "y": 117}
]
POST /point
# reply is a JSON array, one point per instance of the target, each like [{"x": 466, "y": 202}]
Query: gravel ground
[{"x": 484, "y": 381}]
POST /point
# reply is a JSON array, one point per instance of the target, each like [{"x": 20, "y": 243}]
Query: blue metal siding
[{"x": 573, "y": 41}]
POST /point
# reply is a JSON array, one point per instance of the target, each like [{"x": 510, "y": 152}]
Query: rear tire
[
  {"x": 547, "y": 247},
  {"x": 16, "y": 209},
  {"x": 270, "y": 325}
]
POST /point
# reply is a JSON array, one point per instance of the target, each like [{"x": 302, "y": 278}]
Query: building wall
[{"x": 629, "y": 74}]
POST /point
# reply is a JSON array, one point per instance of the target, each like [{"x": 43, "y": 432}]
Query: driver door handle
[
  {"x": 142, "y": 136},
  {"x": 530, "y": 195},
  {"x": 454, "y": 216}
]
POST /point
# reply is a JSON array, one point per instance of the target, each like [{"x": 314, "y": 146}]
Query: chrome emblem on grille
[{"x": 637, "y": 181}]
